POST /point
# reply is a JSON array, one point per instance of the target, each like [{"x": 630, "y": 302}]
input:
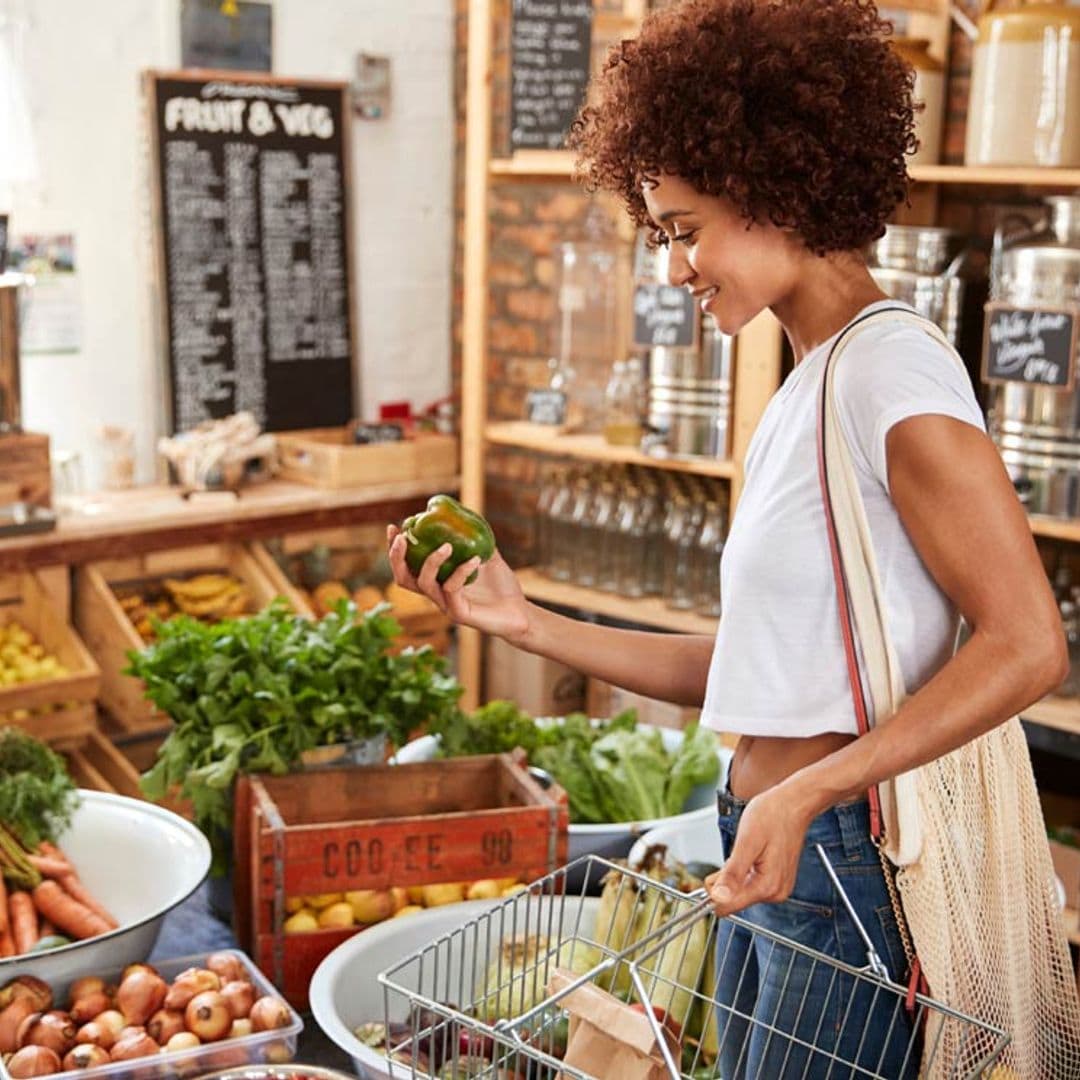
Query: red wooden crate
[{"x": 376, "y": 827}]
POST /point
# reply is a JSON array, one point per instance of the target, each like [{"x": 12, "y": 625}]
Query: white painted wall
[{"x": 83, "y": 62}]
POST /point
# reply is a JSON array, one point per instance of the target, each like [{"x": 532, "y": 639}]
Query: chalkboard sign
[
  {"x": 664, "y": 315},
  {"x": 546, "y": 406},
  {"x": 550, "y": 42},
  {"x": 1035, "y": 346},
  {"x": 253, "y": 237}
]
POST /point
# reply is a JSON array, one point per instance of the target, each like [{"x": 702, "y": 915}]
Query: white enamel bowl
[
  {"x": 612, "y": 841},
  {"x": 140, "y": 861},
  {"x": 345, "y": 990}
]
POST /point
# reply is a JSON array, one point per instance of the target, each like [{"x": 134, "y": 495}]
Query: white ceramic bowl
[
  {"x": 611, "y": 841},
  {"x": 345, "y": 990},
  {"x": 140, "y": 861}
]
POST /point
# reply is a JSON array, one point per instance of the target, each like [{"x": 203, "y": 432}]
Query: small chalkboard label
[
  {"x": 546, "y": 406},
  {"x": 1031, "y": 345},
  {"x": 550, "y": 42},
  {"x": 664, "y": 315}
]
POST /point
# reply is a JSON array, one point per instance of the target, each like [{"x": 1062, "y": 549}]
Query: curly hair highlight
[{"x": 797, "y": 111}]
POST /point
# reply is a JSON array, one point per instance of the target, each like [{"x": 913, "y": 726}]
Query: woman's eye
[{"x": 684, "y": 238}]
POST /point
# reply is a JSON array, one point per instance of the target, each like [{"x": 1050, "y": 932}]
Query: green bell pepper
[{"x": 446, "y": 521}]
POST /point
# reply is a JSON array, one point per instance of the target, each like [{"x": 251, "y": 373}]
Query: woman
[{"x": 765, "y": 143}]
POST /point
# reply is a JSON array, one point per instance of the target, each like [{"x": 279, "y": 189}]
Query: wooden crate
[
  {"x": 99, "y": 765},
  {"x": 352, "y": 551},
  {"x": 63, "y": 728},
  {"x": 327, "y": 458},
  {"x": 110, "y": 634},
  {"x": 25, "y": 469},
  {"x": 24, "y": 599},
  {"x": 375, "y": 827}
]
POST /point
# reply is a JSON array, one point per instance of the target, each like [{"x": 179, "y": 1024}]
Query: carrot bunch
[{"x": 48, "y": 898}]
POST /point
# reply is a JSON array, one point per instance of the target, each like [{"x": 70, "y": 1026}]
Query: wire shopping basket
[{"x": 723, "y": 998}]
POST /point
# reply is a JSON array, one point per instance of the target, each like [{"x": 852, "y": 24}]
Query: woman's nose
[{"x": 679, "y": 270}]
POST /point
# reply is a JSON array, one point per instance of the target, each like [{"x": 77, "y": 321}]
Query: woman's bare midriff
[{"x": 763, "y": 761}]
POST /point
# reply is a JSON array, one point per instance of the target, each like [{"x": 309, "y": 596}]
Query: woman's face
[{"x": 733, "y": 271}]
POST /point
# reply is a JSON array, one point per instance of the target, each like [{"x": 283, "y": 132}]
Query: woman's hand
[
  {"x": 494, "y": 603},
  {"x": 764, "y": 862}
]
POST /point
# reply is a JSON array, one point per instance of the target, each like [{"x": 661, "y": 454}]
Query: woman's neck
[{"x": 828, "y": 294}]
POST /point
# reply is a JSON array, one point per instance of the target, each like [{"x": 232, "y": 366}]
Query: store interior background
[{"x": 81, "y": 65}]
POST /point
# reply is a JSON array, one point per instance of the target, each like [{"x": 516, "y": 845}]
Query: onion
[
  {"x": 136, "y": 1045},
  {"x": 11, "y": 1020},
  {"x": 33, "y": 1061},
  {"x": 28, "y": 988},
  {"x": 132, "y": 968},
  {"x": 164, "y": 1024},
  {"x": 114, "y": 1020},
  {"x": 189, "y": 983},
  {"x": 268, "y": 1013},
  {"x": 240, "y": 996},
  {"x": 183, "y": 1040},
  {"x": 52, "y": 1029},
  {"x": 86, "y": 1056},
  {"x": 96, "y": 1034},
  {"x": 228, "y": 967},
  {"x": 208, "y": 1016},
  {"x": 89, "y": 984},
  {"x": 141, "y": 994},
  {"x": 89, "y": 1006},
  {"x": 240, "y": 1028}
]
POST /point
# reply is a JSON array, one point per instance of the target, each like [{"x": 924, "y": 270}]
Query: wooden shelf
[
  {"x": 651, "y": 611},
  {"x": 1060, "y": 713},
  {"x": 549, "y": 440},
  {"x": 993, "y": 174},
  {"x": 534, "y": 164},
  {"x": 1056, "y": 528}
]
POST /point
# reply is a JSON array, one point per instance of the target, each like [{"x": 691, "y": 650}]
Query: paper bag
[{"x": 608, "y": 1039}]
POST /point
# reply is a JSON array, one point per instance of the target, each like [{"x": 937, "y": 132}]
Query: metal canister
[
  {"x": 690, "y": 396},
  {"x": 1037, "y": 428},
  {"x": 920, "y": 265}
]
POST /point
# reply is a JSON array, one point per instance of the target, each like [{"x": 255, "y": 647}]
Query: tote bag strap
[{"x": 860, "y": 596}]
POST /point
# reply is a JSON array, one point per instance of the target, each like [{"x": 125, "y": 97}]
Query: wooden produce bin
[
  {"x": 376, "y": 827},
  {"x": 351, "y": 552},
  {"x": 110, "y": 634},
  {"x": 58, "y": 710},
  {"x": 100, "y": 766},
  {"x": 328, "y": 458}
]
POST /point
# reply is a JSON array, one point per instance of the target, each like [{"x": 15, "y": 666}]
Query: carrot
[
  {"x": 52, "y": 851},
  {"x": 46, "y": 928},
  {"x": 24, "y": 928},
  {"x": 48, "y": 866},
  {"x": 67, "y": 913},
  {"x": 3, "y": 907},
  {"x": 76, "y": 889}
]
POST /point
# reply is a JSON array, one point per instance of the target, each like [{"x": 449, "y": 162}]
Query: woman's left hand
[{"x": 764, "y": 861}]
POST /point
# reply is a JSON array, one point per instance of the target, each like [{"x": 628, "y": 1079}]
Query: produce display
[
  {"x": 23, "y": 658},
  {"x": 514, "y": 981},
  {"x": 43, "y": 904},
  {"x": 365, "y": 907},
  {"x": 446, "y": 521},
  {"x": 252, "y": 695},
  {"x": 142, "y": 1015},
  {"x": 205, "y": 596},
  {"x": 611, "y": 770}
]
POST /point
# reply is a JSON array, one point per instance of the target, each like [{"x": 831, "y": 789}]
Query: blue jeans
[{"x": 784, "y": 1015}]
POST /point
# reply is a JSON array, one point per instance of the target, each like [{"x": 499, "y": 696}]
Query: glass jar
[
  {"x": 560, "y": 558},
  {"x": 605, "y": 535},
  {"x": 710, "y": 546},
  {"x": 542, "y": 521},
  {"x": 581, "y": 538}
]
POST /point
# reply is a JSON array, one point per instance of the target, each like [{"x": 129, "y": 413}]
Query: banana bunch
[{"x": 208, "y": 596}]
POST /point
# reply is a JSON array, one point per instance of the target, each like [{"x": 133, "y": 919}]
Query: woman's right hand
[{"x": 493, "y": 603}]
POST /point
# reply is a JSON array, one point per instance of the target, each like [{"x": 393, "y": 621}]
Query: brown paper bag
[{"x": 608, "y": 1039}]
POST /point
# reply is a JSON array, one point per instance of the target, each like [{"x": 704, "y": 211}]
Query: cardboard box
[{"x": 540, "y": 686}]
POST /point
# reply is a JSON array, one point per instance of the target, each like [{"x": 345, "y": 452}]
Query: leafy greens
[{"x": 37, "y": 796}]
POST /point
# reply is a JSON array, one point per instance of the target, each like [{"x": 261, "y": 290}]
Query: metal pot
[
  {"x": 918, "y": 249},
  {"x": 1037, "y": 428}
]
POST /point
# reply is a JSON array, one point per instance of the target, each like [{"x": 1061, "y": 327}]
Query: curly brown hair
[{"x": 797, "y": 111}]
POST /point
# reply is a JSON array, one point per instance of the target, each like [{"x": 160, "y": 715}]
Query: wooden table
[{"x": 105, "y": 525}]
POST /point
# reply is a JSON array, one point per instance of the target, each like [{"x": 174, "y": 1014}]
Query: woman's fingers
[{"x": 396, "y": 553}]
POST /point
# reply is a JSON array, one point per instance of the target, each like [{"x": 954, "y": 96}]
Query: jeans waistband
[{"x": 847, "y": 823}]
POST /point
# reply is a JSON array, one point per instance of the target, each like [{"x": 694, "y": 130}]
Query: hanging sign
[{"x": 1036, "y": 346}]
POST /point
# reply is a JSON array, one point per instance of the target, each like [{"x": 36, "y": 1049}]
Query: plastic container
[{"x": 276, "y": 1046}]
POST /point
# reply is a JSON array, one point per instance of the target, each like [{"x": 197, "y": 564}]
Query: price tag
[{"x": 1036, "y": 346}]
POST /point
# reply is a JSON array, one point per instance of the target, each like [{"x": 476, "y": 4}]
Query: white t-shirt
[{"x": 778, "y": 665}]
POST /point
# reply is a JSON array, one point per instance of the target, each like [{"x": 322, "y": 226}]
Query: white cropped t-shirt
[{"x": 778, "y": 665}]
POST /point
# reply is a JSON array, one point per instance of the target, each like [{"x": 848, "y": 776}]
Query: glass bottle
[
  {"x": 543, "y": 520},
  {"x": 657, "y": 506},
  {"x": 635, "y": 508},
  {"x": 581, "y": 539},
  {"x": 605, "y": 522},
  {"x": 683, "y": 594},
  {"x": 622, "y": 411},
  {"x": 710, "y": 546},
  {"x": 561, "y": 516}
]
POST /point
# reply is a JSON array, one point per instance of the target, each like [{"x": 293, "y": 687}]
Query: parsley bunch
[
  {"x": 251, "y": 695},
  {"x": 37, "y": 796}
]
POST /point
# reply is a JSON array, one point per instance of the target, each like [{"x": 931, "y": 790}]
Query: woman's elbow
[{"x": 1048, "y": 659}]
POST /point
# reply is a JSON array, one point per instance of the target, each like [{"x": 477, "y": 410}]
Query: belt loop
[{"x": 854, "y": 831}]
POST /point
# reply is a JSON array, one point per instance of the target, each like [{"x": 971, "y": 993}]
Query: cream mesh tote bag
[{"x": 965, "y": 832}]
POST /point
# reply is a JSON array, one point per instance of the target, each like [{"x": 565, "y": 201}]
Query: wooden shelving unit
[
  {"x": 649, "y": 611},
  {"x": 1062, "y": 714},
  {"x": 1072, "y": 925},
  {"x": 548, "y": 440},
  {"x": 1067, "y": 529}
]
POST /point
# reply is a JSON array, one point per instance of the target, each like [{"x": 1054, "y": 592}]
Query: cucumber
[{"x": 50, "y": 941}]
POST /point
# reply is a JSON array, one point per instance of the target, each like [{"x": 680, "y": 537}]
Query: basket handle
[{"x": 873, "y": 961}]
